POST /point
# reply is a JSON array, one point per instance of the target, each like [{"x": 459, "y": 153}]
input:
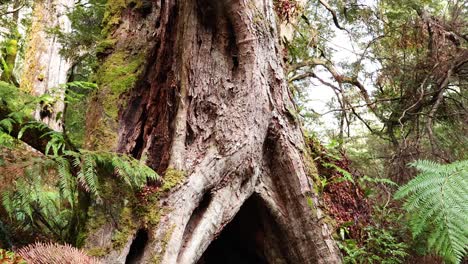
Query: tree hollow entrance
[
  {"x": 247, "y": 239},
  {"x": 137, "y": 248}
]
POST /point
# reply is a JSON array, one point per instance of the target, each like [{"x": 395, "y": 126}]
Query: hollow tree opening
[
  {"x": 210, "y": 92},
  {"x": 252, "y": 237},
  {"x": 137, "y": 248}
]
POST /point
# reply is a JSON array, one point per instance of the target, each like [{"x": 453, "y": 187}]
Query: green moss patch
[
  {"x": 117, "y": 75},
  {"x": 127, "y": 227},
  {"x": 172, "y": 178},
  {"x": 112, "y": 15},
  {"x": 157, "y": 258},
  {"x": 105, "y": 45},
  {"x": 97, "y": 252}
]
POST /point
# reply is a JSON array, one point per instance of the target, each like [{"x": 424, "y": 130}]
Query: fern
[
  {"x": 36, "y": 204},
  {"x": 437, "y": 200},
  {"x": 44, "y": 199},
  {"x": 132, "y": 172},
  {"x": 40, "y": 201},
  {"x": 87, "y": 176},
  {"x": 67, "y": 184},
  {"x": 77, "y": 90},
  {"x": 347, "y": 176},
  {"x": 57, "y": 142}
]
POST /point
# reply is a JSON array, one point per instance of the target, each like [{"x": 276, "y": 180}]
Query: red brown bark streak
[
  {"x": 239, "y": 141},
  {"x": 145, "y": 128}
]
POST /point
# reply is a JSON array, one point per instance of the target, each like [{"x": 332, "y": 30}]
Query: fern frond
[
  {"x": 87, "y": 176},
  {"x": 7, "y": 203},
  {"x": 67, "y": 185},
  {"x": 437, "y": 200}
]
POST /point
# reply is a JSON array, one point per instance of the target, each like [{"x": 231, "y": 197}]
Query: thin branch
[
  {"x": 421, "y": 96},
  {"x": 335, "y": 17},
  {"x": 364, "y": 122},
  {"x": 13, "y": 11},
  {"x": 340, "y": 79}
]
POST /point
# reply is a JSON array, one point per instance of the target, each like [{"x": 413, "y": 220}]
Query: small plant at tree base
[
  {"x": 381, "y": 246},
  {"x": 436, "y": 201},
  {"x": 8, "y": 257},
  {"x": 381, "y": 241}
]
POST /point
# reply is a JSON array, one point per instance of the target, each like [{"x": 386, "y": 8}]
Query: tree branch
[
  {"x": 13, "y": 11},
  {"x": 340, "y": 79},
  {"x": 335, "y": 17}
]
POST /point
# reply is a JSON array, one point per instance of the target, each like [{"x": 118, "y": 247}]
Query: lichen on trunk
[
  {"x": 209, "y": 110},
  {"x": 45, "y": 70}
]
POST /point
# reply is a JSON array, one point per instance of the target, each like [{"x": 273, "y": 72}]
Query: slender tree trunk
[
  {"x": 45, "y": 70},
  {"x": 10, "y": 50},
  {"x": 211, "y": 112}
]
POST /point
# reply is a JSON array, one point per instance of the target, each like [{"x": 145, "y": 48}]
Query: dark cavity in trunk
[{"x": 246, "y": 239}]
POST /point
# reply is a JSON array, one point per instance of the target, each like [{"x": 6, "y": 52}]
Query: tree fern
[{"x": 437, "y": 200}]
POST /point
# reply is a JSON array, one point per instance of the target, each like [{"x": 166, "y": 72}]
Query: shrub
[{"x": 380, "y": 246}]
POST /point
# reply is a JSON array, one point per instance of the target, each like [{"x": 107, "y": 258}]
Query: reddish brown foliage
[
  {"x": 48, "y": 253},
  {"x": 346, "y": 204},
  {"x": 146, "y": 193},
  {"x": 344, "y": 200},
  {"x": 286, "y": 9}
]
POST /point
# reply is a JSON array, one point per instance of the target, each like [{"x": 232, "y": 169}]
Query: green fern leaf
[{"x": 437, "y": 199}]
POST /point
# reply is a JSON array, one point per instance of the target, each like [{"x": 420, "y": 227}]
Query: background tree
[
  {"x": 12, "y": 21},
  {"x": 45, "y": 70},
  {"x": 417, "y": 90}
]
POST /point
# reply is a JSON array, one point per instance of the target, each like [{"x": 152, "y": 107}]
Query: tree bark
[
  {"x": 211, "y": 108},
  {"x": 45, "y": 69}
]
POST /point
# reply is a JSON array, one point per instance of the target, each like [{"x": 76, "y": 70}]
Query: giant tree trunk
[
  {"x": 211, "y": 110},
  {"x": 45, "y": 69}
]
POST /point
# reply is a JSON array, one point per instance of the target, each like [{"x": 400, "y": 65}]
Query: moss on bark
[
  {"x": 117, "y": 75},
  {"x": 172, "y": 178},
  {"x": 112, "y": 15}
]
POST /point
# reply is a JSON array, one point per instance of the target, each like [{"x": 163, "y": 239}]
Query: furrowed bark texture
[{"x": 213, "y": 102}]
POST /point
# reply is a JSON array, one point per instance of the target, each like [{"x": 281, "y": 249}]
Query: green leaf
[{"x": 436, "y": 201}]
